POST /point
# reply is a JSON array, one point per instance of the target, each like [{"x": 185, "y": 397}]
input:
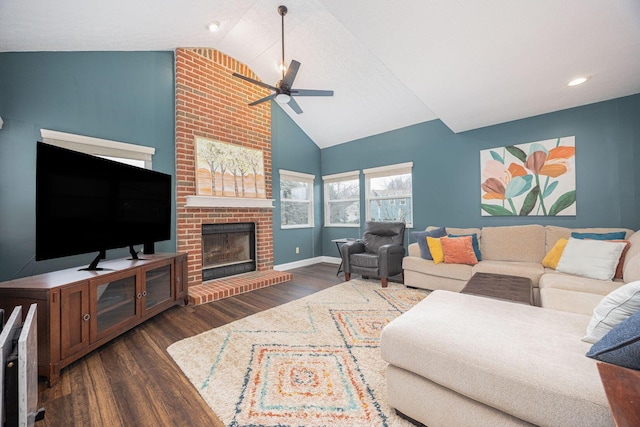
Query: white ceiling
[{"x": 391, "y": 63}]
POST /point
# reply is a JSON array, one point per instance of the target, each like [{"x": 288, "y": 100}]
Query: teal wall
[
  {"x": 446, "y": 166},
  {"x": 122, "y": 96},
  {"x": 129, "y": 97},
  {"x": 293, "y": 150}
]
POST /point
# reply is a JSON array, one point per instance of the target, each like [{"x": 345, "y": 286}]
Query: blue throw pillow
[
  {"x": 474, "y": 243},
  {"x": 421, "y": 238},
  {"x": 621, "y": 345},
  {"x": 614, "y": 235}
]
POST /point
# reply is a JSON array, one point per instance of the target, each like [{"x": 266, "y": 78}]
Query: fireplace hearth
[{"x": 228, "y": 249}]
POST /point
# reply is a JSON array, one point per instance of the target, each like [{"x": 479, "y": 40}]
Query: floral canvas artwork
[
  {"x": 533, "y": 179},
  {"x": 228, "y": 170}
]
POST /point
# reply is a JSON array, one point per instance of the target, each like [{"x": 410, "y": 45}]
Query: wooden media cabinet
[{"x": 78, "y": 311}]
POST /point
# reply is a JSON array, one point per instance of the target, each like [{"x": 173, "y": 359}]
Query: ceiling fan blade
[
  {"x": 311, "y": 92},
  {"x": 255, "y": 82},
  {"x": 261, "y": 100},
  {"x": 290, "y": 75},
  {"x": 294, "y": 106}
]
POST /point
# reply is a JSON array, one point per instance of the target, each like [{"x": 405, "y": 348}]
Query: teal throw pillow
[
  {"x": 421, "y": 238},
  {"x": 614, "y": 235},
  {"x": 621, "y": 345},
  {"x": 474, "y": 243}
]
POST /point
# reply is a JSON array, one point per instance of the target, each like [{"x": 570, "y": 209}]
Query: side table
[{"x": 339, "y": 243}]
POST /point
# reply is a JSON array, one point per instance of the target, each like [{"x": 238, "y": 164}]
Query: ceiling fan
[{"x": 283, "y": 90}]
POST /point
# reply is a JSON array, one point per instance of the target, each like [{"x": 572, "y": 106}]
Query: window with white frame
[
  {"x": 388, "y": 192},
  {"x": 296, "y": 199},
  {"x": 342, "y": 199},
  {"x": 131, "y": 154}
]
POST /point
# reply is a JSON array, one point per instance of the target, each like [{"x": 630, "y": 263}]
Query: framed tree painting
[
  {"x": 533, "y": 179},
  {"x": 229, "y": 170}
]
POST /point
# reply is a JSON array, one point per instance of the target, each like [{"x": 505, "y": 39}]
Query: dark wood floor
[{"x": 132, "y": 381}]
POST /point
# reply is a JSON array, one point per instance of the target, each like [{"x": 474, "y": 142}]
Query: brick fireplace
[{"x": 212, "y": 104}]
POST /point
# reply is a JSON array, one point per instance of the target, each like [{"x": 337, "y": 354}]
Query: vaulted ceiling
[{"x": 391, "y": 63}]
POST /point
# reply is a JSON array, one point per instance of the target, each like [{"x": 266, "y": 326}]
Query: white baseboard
[{"x": 306, "y": 262}]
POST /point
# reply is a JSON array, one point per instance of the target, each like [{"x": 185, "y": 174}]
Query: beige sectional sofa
[{"x": 463, "y": 360}]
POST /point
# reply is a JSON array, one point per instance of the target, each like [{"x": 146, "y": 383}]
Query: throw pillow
[
  {"x": 614, "y": 235},
  {"x": 595, "y": 259},
  {"x": 458, "y": 250},
  {"x": 421, "y": 238},
  {"x": 612, "y": 310},
  {"x": 623, "y": 255},
  {"x": 435, "y": 247},
  {"x": 621, "y": 345},
  {"x": 553, "y": 256},
  {"x": 474, "y": 242}
]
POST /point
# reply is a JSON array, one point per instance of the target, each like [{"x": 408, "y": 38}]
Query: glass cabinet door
[
  {"x": 115, "y": 303},
  {"x": 157, "y": 286}
]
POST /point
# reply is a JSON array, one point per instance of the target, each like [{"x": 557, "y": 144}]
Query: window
[
  {"x": 296, "y": 199},
  {"x": 131, "y": 154},
  {"x": 342, "y": 199},
  {"x": 389, "y": 194}
]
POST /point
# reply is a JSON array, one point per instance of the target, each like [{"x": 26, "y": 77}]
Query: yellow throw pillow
[
  {"x": 551, "y": 259},
  {"x": 435, "y": 247}
]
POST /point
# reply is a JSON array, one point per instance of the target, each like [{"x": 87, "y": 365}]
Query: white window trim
[
  {"x": 397, "y": 169},
  {"x": 300, "y": 176},
  {"x": 98, "y": 146},
  {"x": 337, "y": 177}
]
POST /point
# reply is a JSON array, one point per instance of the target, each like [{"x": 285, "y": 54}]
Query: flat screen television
[{"x": 86, "y": 204}]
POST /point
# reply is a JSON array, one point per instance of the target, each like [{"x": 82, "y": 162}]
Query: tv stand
[{"x": 80, "y": 310}]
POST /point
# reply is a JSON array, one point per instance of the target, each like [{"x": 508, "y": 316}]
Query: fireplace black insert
[{"x": 228, "y": 249}]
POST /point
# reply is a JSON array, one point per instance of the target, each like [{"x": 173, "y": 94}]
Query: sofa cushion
[
  {"x": 524, "y": 358},
  {"x": 414, "y": 249},
  {"x": 621, "y": 345},
  {"x": 435, "y": 248},
  {"x": 531, "y": 270},
  {"x": 631, "y": 267},
  {"x": 553, "y": 233},
  {"x": 459, "y": 231},
  {"x": 613, "y": 235},
  {"x": 553, "y": 256},
  {"x": 596, "y": 259},
  {"x": 612, "y": 310},
  {"x": 453, "y": 271},
  {"x": 475, "y": 242},
  {"x": 458, "y": 250},
  {"x": 513, "y": 243},
  {"x": 421, "y": 239},
  {"x": 570, "y": 282},
  {"x": 569, "y": 301}
]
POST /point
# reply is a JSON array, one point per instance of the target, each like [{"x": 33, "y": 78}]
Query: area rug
[{"x": 311, "y": 362}]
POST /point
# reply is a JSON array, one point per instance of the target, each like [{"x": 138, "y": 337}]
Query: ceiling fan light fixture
[
  {"x": 283, "y": 98},
  {"x": 214, "y": 26}
]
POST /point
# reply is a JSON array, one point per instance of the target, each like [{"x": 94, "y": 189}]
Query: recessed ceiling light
[
  {"x": 214, "y": 26},
  {"x": 577, "y": 81}
]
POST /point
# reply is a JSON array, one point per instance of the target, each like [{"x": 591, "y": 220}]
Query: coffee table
[{"x": 500, "y": 286}]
